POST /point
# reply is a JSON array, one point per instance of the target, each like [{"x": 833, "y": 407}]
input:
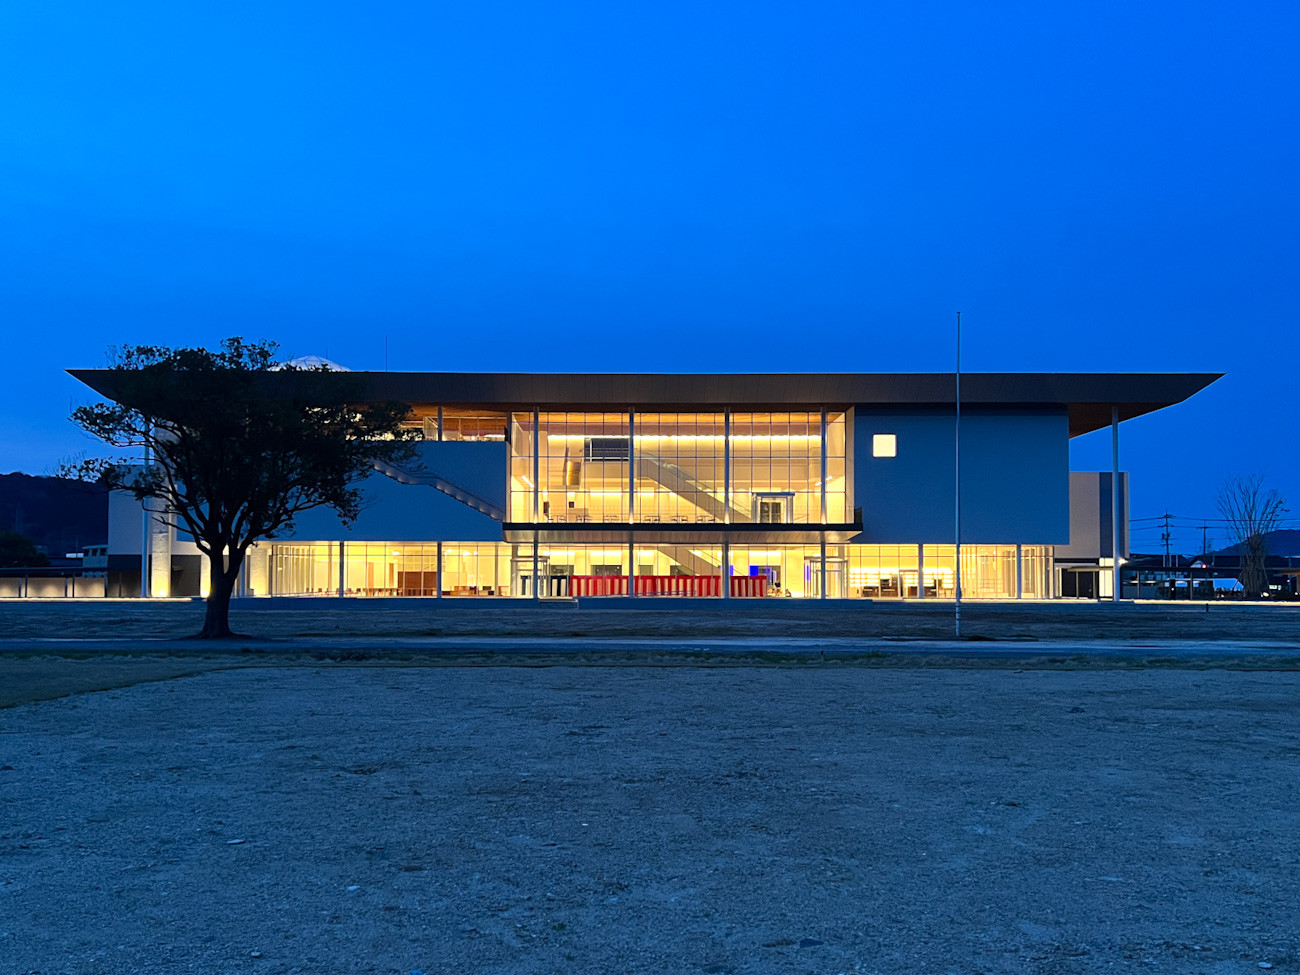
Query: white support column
[
  {"x": 145, "y": 534},
  {"x": 343, "y": 569},
  {"x": 160, "y": 555},
  {"x": 1114, "y": 502},
  {"x": 631, "y": 474},
  {"x": 146, "y": 543},
  {"x": 437, "y": 593},
  {"x": 726, "y": 570},
  {"x": 631, "y": 569}
]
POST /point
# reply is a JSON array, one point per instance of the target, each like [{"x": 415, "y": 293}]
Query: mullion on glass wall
[
  {"x": 677, "y": 467},
  {"x": 537, "y": 454},
  {"x": 727, "y": 490},
  {"x": 584, "y": 471}
]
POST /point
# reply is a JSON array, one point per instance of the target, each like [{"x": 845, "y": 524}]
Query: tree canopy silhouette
[
  {"x": 19, "y": 551},
  {"x": 238, "y": 445}
]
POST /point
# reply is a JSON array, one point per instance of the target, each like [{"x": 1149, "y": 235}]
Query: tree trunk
[
  {"x": 216, "y": 621},
  {"x": 1254, "y": 571}
]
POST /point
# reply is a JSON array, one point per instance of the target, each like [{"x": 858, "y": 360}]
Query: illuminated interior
[
  {"x": 694, "y": 472},
  {"x": 457, "y": 423},
  {"x": 607, "y": 468},
  {"x": 499, "y": 569}
]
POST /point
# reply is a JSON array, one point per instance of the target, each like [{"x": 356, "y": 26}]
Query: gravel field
[{"x": 634, "y": 819}]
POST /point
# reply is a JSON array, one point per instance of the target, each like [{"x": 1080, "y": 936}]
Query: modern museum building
[{"x": 834, "y": 486}]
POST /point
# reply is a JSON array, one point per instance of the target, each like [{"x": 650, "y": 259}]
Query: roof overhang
[{"x": 1087, "y": 398}]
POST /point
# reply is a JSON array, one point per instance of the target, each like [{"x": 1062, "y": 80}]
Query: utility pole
[
  {"x": 956, "y": 463},
  {"x": 1165, "y": 537},
  {"x": 1205, "y": 543}
]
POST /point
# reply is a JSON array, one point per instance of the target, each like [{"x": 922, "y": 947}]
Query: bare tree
[{"x": 1251, "y": 513}]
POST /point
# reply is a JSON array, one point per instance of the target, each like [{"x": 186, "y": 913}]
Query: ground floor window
[{"x": 502, "y": 569}]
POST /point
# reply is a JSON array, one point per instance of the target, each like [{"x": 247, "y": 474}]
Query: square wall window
[{"x": 884, "y": 445}]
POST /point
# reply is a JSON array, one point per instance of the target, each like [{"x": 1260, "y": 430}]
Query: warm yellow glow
[
  {"x": 884, "y": 445},
  {"x": 711, "y": 437}
]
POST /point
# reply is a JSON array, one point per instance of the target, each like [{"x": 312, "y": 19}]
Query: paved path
[{"x": 1280, "y": 652}]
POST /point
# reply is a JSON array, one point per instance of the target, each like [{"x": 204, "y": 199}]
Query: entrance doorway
[{"x": 837, "y": 576}]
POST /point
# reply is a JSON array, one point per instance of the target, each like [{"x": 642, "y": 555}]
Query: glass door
[{"x": 837, "y": 576}]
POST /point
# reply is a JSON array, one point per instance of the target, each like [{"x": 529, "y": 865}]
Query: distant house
[{"x": 1202, "y": 577}]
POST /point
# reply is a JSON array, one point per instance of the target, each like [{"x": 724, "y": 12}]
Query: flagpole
[{"x": 956, "y": 456}]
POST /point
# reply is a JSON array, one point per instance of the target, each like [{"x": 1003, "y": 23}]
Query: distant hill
[
  {"x": 58, "y": 514},
  {"x": 1285, "y": 541}
]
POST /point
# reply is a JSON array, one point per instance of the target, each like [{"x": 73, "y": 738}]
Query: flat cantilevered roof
[{"x": 1087, "y": 397}]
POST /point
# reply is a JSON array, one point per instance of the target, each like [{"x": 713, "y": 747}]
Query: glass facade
[
  {"x": 500, "y": 569},
  {"x": 583, "y": 467},
  {"x": 680, "y": 469},
  {"x": 692, "y": 473},
  {"x": 455, "y": 423},
  {"x": 677, "y": 468},
  {"x": 787, "y": 570},
  {"x": 889, "y": 572}
]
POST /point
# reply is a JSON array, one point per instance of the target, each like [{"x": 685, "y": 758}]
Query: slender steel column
[
  {"x": 823, "y": 568},
  {"x": 536, "y": 588},
  {"x": 631, "y": 468},
  {"x": 1114, "y": 503},
  {"x": 825, "y": 477},
  {"x": 1020, "y": 575},
  {"x": 726, "y": 467},
  {"x": 537, "y": 477},
  {"x": 437, "y": 593},
  {"x": 440, "y": 436},
  {"x": 920, "y": 572},
  {"x": 631, "y": 568},
  {"x": 343, "y": 569}
]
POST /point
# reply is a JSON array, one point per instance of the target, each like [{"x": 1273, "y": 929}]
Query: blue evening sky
[{"x": 603, "y": 186}]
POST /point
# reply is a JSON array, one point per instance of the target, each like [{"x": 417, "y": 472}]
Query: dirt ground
[
  {"x": 637, "y": 819},
  {"x": 372, "y": 787}
]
